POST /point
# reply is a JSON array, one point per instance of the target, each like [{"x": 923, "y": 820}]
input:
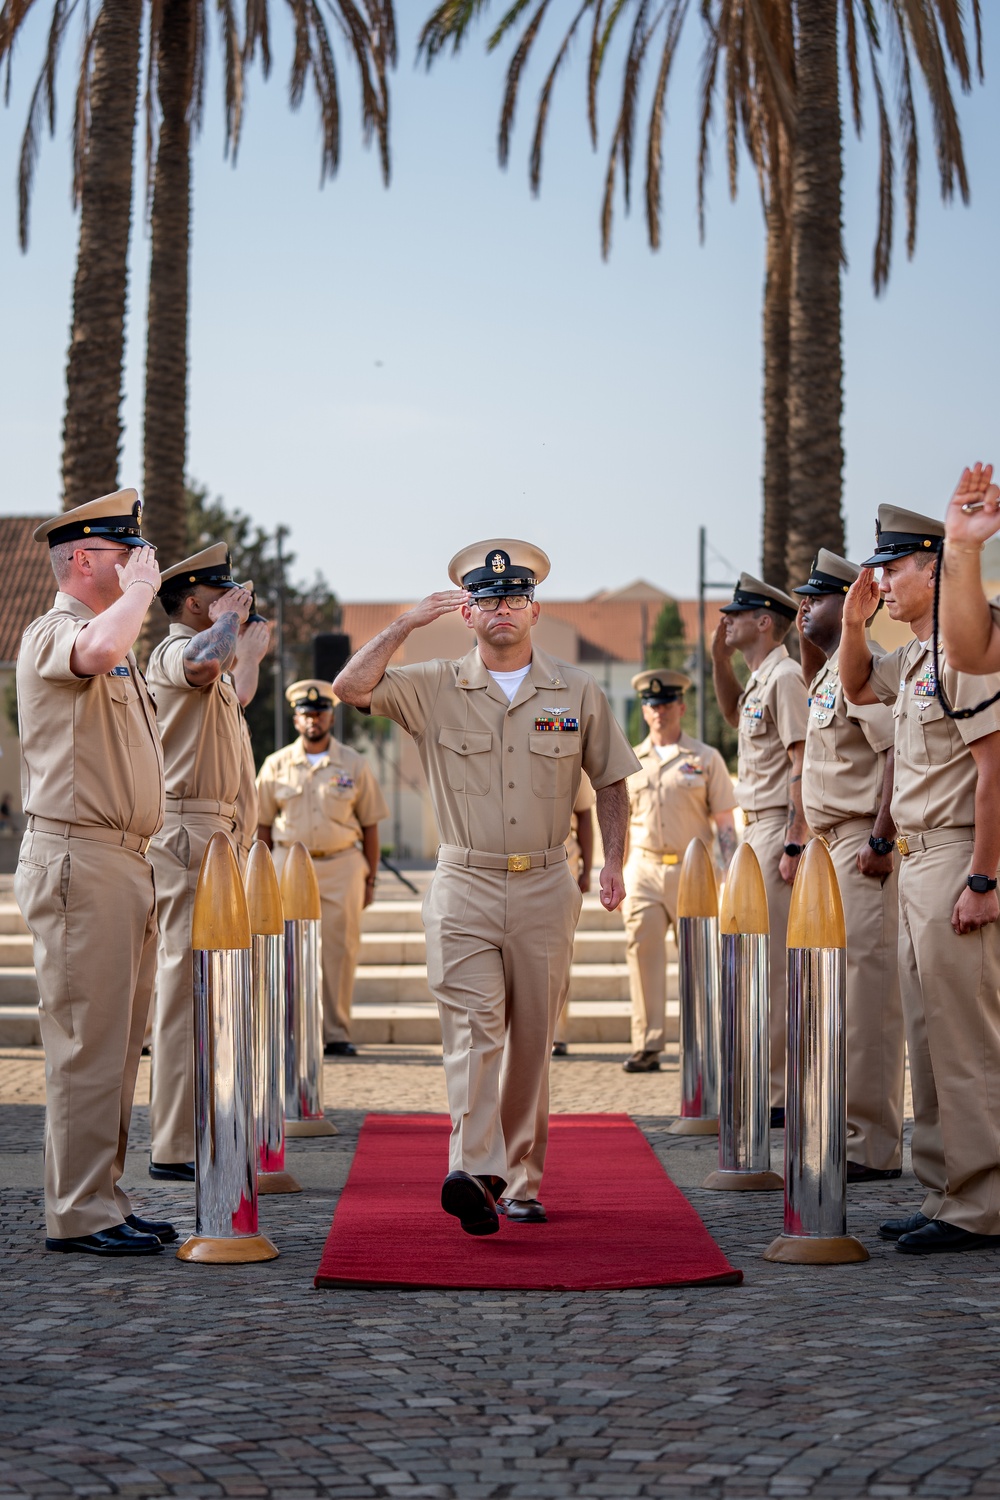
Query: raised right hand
[
  {"x": 862, "y": 597},
  {"x": 721, "y": 649},
  {"x": 139, "y": 567},
  {"x": 436, "y": 605},
  {"x": 233, "y": 602},
  {"x": 971, "y": 529}
]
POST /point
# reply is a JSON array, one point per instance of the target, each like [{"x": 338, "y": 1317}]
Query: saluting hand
[
  {"x": 140, "y": 567},
  {"x": 235, "y": 601},
  {"x": 254, "y": 640},
  {"x": 721, "y": 649},
  {"x": 861, "y": 600},
  {"x": 436, "y": 605},
  {"x": 975, "y": 487}
]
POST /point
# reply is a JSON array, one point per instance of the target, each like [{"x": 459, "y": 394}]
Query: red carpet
[{"x": 615, "y": 1218}]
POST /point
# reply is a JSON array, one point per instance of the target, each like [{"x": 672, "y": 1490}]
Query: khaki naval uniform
[
  {"x": 246, "y": 802},
  {"x": 772, "y": 710},
  {"x": 325, "y": 807},
  {"x": 586, "y": 800},
  {"x": 501, "y": 912},
  {"x": 92, "y": 784},
  {"x": 201, "y": 729},
  {"x": 842, "y": 778},
  {"x": 950, "y": 985},
  {"x": 672, "y": 800}
]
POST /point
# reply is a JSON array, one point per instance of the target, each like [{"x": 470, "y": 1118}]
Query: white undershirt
[
  {"x": 314, "y": 760},
  {"x": 667, "y": 752},
  {"x": 511, "y": 681}
]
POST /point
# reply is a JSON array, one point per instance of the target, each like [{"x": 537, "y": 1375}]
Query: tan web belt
[
  {"x": 132, "y": 841},
  {"x": 479, "y": 859},
  {"x": 201, "y": 805},
  {"x": 909, "y": 843}
]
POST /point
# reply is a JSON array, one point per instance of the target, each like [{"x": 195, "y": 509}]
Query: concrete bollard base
[
  {"x": 689, "y": 1125},
  {"x": 807, "y": 1250},
  {"x": 310, "y": 1127},
  {"x": 277, "y": 1182}
]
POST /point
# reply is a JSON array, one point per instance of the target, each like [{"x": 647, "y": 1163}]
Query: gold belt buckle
[
  {"x": 670, "y": 859},
  {"x": 518, "y": 862},
  {"x": 903, "y": 845}
]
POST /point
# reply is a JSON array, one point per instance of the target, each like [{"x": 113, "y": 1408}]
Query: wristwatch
[
  {"x": 981, "y": 884},
  {"x": 881, "y": 846},
  {"x": 794, "y": 850}
]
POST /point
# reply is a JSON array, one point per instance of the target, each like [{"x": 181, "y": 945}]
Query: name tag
[{"x": 119, "y": 672}]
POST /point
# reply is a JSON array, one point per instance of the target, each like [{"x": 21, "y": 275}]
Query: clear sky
[{"x": 395, "y": 373}]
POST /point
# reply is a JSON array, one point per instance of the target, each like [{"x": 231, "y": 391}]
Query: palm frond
[
  {"x": 232, "y": 52},
  {"x": 886, "y": 185},
  {"x": 545, "y": 98},
  {"x": 12, "y": 15},
  {"x": 853, "y": 66},
  {"x": 513, "y": 80},
  {"x": 324, "y": 74},
  {"x": 593, "y": 70},
  {"x": 198, "y": 76},
  {"x": 506, "y": 22},
  {"x": 450, "y": 22},
  {"x": 638, "y": 43},
  {"x": 654, "y": 153},
  {"x": 42, "y": 107},
  {"x": 81, "y": 113},
  {"x": 257, "y": 31}
]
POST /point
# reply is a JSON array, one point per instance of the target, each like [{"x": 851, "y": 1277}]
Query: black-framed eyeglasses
[
  {"x": 490, "y": 603},
  {"x": 120, "y": 551}
]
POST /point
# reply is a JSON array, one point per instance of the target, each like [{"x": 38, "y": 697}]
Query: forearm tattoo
[{"x": 217, "y": 643}]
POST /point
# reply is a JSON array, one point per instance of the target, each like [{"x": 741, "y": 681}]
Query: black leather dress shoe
[
  {"x": 522, "y": 1210},
  {"x": 857, "y": 1173},
  {"x": 642, "y": 1062},
  {"x": 560, "y": 1049},
  {"x": 891, "y": 1229},
  {"x": 340, "y": 1049},
  {"x": 120, "y": 1240},
  {"x": 165, "y": 1233},
  {"x": 172, "y": 1171},
  {"x": 470, "y": 1201},
  {"x": 777, "y": 1117},
  {"x": 937, "y": 1235}
]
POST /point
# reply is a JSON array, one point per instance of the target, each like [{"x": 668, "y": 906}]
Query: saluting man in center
[{"x": 503, "y": 735}]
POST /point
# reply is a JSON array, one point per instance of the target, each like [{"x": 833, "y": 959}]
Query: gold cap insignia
[{"x": 499, "y": 566}]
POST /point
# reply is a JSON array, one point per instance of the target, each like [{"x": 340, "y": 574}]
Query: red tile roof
[{"x": 28, "y": 584}]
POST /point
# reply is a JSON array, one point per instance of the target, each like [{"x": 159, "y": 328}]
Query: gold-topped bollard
[
  {"x": 816, "y": 1103},
  {"x": 744, "y": 1095},
  {"x": 225, "y": 1148},
  {"x": 698, "y": 982},
  {"x": 267, "y": 984},
  {"x": 303, "y": 997}
]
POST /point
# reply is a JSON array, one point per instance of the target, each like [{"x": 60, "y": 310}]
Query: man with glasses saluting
[
  {"x": 503, "y": 735},
  {"x": 92, "y": 776}
]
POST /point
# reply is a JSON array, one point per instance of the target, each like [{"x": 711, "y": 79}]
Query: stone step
[
  {"x": 11, "y": 921},
  {"x": 406, "y": 1025},
  {"x": 381, "y": 947},
  {"x": 17, "y": 987},
  {"x": 15, "y": 951},
  {"x": 404, "y": 916},
  {"x": 402, "y": 983}
]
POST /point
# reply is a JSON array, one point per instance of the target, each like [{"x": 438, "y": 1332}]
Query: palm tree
[
  {"x": 103, "y": 134},
  {"x": 781, "y": 98}
]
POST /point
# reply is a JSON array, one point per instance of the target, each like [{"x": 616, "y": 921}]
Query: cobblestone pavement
[{"x": 158, "y": 1378}]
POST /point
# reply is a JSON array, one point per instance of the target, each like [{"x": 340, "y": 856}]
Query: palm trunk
[
  {"x": 92, "y": 430},
  {"x": 165, "y": 430},
  {"x": 815, "y": 404},
  {"x": 776, "y": 295}
]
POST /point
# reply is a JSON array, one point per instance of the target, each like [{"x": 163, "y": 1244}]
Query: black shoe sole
[
  {"x": 978, "y": 1242},
  {"x": 517, "y": 1219},
  {"x": 875, "y": 1174},
  {"x": 71, "y": 1249},
  {"x": 893, "y": 1235},
  {"x": 167, "y": 1174},
  {"x": 465, "y": 1203}
]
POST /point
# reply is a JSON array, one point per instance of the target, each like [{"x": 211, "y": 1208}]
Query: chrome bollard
[
  {"x": 698, "y": 952},
  {"x": 303, "y": 998},
  {"x": 225, "y": 1126},
  {"x": 744, "y": 1102},
  {"x": 816, "y": 1103},
  {"x": 267, "y": 981}
]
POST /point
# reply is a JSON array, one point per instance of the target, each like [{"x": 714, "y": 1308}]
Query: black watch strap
[
  {"x": 794, "y": 850},
  {"x": 981, "y": 884},
  {"x": 881, "y": 846}
]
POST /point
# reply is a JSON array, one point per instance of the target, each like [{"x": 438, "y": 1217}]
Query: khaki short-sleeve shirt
[
  {"x": 673, "y": 800},
  {"x": 772, "y": 709},
  {"x": 246, "y": 802},
  {"x": 90, "y": 751},
  {"x": 504, "y": 776},
  {"x": 324, "y": 806},
  {"x": 200, "y": 726},
  {"x": 846, "y": 744},
  {"x": 934, "y": 783}
]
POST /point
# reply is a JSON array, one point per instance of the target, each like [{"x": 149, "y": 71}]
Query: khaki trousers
[
  {"x": 341, "y": 881},
  {"x": 176, "y": 853},
  {"x": 766, "y": 837},
  {"x": 874, "y": 1013},
  {"x": 951, "y": 1003},
  {"x": 649, "y": 909},
  {"x": 91, "y": 911},
  {"x": 499, "y": 947}
]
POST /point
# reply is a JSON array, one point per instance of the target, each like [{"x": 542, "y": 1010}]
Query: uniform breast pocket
[
  {"x": 466, "y": 754},
  {"x": 555, "y": 763},
  {"x": 130, "y": 722},
  {"x": 931, "y": 735}
]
